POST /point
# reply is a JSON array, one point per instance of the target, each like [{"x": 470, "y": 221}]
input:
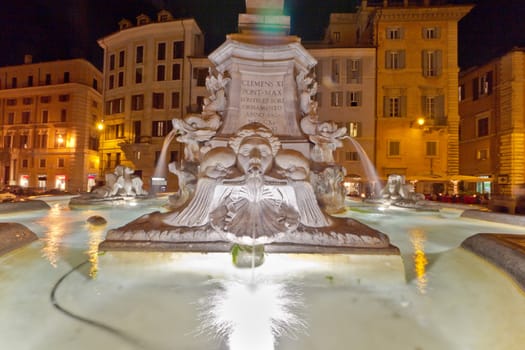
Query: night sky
[{"x": 62, "y": 29}]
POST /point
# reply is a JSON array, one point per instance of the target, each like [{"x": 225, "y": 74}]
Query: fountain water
[{"x": 368, "y": 167}]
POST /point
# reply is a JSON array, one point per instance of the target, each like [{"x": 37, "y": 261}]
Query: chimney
[{"x": 28, "y": 59}]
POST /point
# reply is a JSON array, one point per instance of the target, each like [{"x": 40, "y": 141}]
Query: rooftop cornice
[{"x": 447, "y": 13}]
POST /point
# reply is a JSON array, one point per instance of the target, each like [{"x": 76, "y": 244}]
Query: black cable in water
[{"x": 93, "y": 323}]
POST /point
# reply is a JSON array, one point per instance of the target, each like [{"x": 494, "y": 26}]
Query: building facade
[
  {"x": 48, "y": 114},
  {"x": 346, "y": 78},
  {"x": 416, "y": 95},
  {"x": 149, "y": 78},
  {"x": 492, "y": 133}
]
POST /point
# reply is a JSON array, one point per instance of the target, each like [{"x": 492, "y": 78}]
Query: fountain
[
  {"x": 258, "y": 166},
  {"x": 119, "y": 186}
]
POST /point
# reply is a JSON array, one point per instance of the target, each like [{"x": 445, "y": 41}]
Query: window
[
  {"x": 45, "y": 116},
  {"x": 482, "y": 154},
  {"x": 95, "y": 84},
  {"x": 351, "y": 156},
  {"x": 431, "y": 33},
  {"x": 461, "y": 92},
  {"x": 114, "y": 131},
  {"x": 24, "y": 141},
  {"x": 111, "y": 83},
  {"x": 25, "y": 163},
  {"x": 26, "y": 116},
  {"x": 61, "y": 162},
  {"x": 115, "y": 106},
  {"x": 431, "y": 63},
  {"x": 138, "y": 75},
  {"x": 63, "y": 98},
  {"x": 30, "y": 81},
  {"x": 120, "y": 79},
  {"x": 121, "y": 58},
  {"x": 337, "y": 37},
  {"x": 353, "y": 71},
  {"x": 48, "y": 79},
  {"x": 175, "y": 100},
  {"x": 63, "y": 115},
  {"x": 8, "y": 141},
  {"x": 482, "y": 127},
  {"x": 174, "y": 156},
  {"x": 161, "y": 72},
  {"x": 11, "y": 102},
  {"x": 485, "y": 84},
  {"x": 431, "y": 148},
  {"x": 11, "y": 118},
  {"x": 394, "y": 33},
  {"x": 335, "y": 71},
  {"x": 394, "y": 106},
  {"x": 66, "y": 77},
  {"x": 139, "y": 54},
  {"x": 27, "y": 101},
  {"x": 137, "y": 102},
  {"x": 158, "y": 100},
  {"x": 111, "y": 62},
  {"x": 354, "y": 129},
  {"x": 14, "y": 83},
  {"x": 45, "y": 99},
  {"x": 395, "y": 59},
  {"x": 353, "y": 98},
  {"x": 42, "y": 163},
  {"x": 93, "y": 143},
  {"x": 394, "y": 148},
  {"x": 161, "y": 128},
  {"x": 161, "y": 51},
  {"x": 433, "y": 108},
  {"x": 178, "y": 49},
  {"x": 41, "y": 141},
  {"x": 175, "y": 71},
  {"x": 336, "y": 99},
  {"x": 200, "y": 74}
]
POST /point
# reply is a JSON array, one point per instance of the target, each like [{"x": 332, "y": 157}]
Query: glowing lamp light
[
  {"x": 60, "y": 139},
  {"x": 420, "y": 121},
  {"x": 100, "y": 126}
]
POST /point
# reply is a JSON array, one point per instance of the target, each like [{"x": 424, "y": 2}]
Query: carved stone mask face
[{"x": 255, "y": 155}]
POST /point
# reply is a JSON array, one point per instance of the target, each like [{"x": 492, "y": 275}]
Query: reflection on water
[
  {"x": 418, "y": 239},
  {"x": 96, "y": 234},
  {"x": 251, "y": 316},
  {"x": 55, "y": 229}
]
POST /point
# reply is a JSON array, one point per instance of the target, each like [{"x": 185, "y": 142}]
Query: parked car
[{"x": 7, "y": 196}]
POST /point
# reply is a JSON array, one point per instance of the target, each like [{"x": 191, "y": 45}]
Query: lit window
[
  {"x": 354, "y": 129},
  {"x": 482, "y": 154}
]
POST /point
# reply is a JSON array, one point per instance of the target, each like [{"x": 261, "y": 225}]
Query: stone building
[
  {"x": 48, "y": 117},
  {"x": 149, "y": 79},
  {"x": 346, "y": 77},
  {"x": 416, "y": 95},
  {"x": 492, "y": 128}
]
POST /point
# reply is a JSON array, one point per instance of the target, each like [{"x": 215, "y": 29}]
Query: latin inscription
[{"x": 262, "y": 101}]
